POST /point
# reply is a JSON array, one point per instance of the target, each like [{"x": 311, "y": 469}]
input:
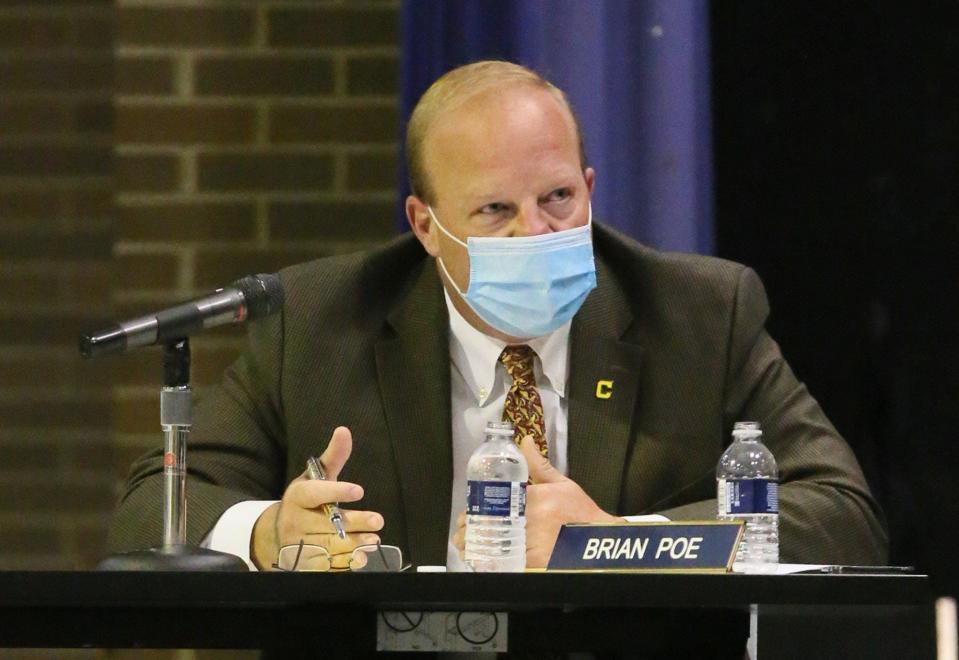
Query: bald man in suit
[{"x": 381, "y": 363}]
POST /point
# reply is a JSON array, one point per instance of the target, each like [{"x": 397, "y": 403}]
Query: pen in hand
[{"x": 315, "y": 471}]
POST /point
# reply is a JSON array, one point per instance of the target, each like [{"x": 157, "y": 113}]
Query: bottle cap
[
  {"x": 500, "y": 428},
  {"x": 747, "y": 430}
]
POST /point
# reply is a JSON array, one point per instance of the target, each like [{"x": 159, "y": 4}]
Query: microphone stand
[{"x": 176, "y": 418}]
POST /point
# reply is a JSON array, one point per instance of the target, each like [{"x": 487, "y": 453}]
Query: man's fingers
[
  {"x": 459, "y": 537},
  {"x": 536, "y": 558},
  {"x": 362, "y": 521},
  {"x": 317, "y": 521},
  {"x": 541, "y": 471},
  {"x": 310, "y": 494},
  {"x": 337, "y": 452}
]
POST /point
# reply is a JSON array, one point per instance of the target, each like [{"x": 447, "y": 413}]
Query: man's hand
[
  {"x": 300, "y": 515},
  {"x": 551, "y": 501}
]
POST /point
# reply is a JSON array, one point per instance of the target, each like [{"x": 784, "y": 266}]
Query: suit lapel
[
  {"x": 414, "y": 376},
  {"x": 604, "y": 380}
]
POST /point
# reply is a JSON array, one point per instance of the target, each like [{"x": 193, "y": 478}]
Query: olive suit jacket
[{"x": 362, "y": 341}]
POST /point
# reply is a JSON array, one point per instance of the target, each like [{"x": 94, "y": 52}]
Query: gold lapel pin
[{"x": 604, "y": 389}]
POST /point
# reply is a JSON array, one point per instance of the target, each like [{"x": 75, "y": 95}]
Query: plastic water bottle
[
  {"x": 747, "y": 488},
  {"x": 496, "y": 503}
]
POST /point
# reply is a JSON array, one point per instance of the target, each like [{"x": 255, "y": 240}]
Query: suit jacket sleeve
[
  {"x": 827, "y": 513},
  {"x": 235, "y": 449}
]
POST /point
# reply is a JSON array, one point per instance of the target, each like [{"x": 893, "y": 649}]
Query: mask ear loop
[
  {"x": 429, "y": 210},
  {"x": 452, "y": 282}
]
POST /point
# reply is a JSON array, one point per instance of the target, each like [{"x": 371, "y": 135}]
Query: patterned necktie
[{"x": 524, "y": 408}]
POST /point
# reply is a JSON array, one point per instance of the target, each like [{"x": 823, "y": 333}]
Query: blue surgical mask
[{"x": 528, "y": 286}]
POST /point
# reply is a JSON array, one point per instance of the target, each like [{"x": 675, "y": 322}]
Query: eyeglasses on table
[{"x": 371, "y": 558}]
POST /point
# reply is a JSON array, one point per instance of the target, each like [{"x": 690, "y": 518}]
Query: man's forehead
[
  {"x": 492, "y": 111},
  {"x": 488, "y": 131}
]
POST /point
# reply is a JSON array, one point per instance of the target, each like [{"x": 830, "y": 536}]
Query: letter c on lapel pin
[{"x": 604, "y": 389}]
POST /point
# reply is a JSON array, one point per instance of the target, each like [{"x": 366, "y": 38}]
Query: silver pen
[{"x": 315, "y": 471}]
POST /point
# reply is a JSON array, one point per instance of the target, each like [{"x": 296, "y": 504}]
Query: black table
[{"x": 662, "y": 615}]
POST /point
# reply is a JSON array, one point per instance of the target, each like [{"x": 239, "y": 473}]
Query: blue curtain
[{"x": 637, "y": 75}]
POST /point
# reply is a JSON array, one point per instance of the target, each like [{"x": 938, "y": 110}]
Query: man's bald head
[{"x": 453, "y": 90}]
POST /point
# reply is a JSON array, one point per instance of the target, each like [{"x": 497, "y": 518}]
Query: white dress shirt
[{"x": 478, "y": 387}]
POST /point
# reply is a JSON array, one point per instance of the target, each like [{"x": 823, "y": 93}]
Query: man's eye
[
  {"x": 558, "y": 195},
  {"x": 493, "y": 209}
]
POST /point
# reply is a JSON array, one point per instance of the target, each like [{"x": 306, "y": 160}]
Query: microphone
[{"x": 248, "y": 298}]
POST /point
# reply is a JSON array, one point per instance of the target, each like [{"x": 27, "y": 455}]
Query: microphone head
[
  {"x": 95, "y": 344},
  {"x": 263, "y": 294}
]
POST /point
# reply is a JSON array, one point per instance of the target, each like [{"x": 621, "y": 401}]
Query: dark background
[{"x": 836, "y": 139}]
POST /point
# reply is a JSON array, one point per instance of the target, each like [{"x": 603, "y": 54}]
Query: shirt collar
[{"x": 476, "y": 354}]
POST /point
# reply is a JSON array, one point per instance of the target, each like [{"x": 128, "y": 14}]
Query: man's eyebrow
[
  {"x": 485, "y": 196},
  {"x": 482, "y": 197}
]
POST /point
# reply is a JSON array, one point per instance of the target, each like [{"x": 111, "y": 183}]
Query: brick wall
[
  {"x": 56, "y": 457},
  {"x": 249, "y": 136},
  {"x": 149, "y": 152}
]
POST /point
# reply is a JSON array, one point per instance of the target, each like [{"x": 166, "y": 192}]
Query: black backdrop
[{"x": 836, "y": 141}]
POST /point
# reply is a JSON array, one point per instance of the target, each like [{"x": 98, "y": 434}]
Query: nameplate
[{"x": 695, "y": 547}]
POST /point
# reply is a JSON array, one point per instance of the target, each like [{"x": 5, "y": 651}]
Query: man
[{"x": 400, "y": 357}]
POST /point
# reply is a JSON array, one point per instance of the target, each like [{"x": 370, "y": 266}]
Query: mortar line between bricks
[{"x": 261, "y": 22}]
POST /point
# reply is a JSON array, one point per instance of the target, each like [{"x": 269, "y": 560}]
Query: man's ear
[
  {"x": 590, "y": 175},
  {"x": 422, "y": 224}
]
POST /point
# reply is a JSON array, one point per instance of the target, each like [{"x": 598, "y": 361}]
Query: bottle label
[
  {"x": 746, "y": 496},
  {"x": 506, "y": 499}
]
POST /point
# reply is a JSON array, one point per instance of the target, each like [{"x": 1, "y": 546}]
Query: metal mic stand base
[
  {"x": 176, "y": 418},
  {"x": 173, "y": 558}
]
